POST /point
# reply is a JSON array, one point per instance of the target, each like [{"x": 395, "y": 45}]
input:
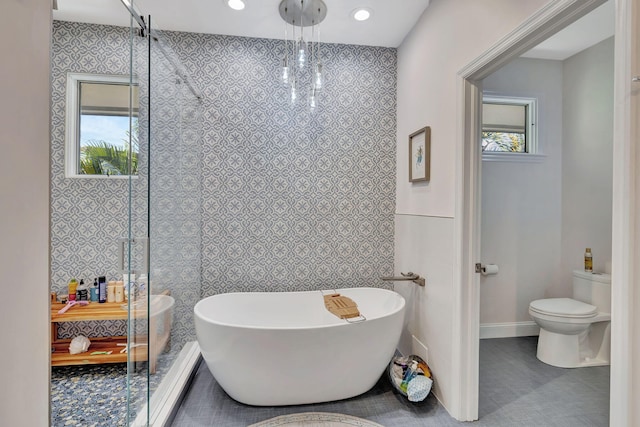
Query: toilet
[{"x": 576, "y": 332}]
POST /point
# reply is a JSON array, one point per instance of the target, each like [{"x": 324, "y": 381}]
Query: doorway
[
  {"x": 548, "y": 21},
  {"x": 546, "y": 195}
]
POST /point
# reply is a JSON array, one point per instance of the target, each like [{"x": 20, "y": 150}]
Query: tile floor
[{"x": 515, "y": 390}]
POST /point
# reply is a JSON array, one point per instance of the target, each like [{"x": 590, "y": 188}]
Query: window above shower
[
  {"x": 509, "y": 128},
  {"x": 101, "y": 126}
]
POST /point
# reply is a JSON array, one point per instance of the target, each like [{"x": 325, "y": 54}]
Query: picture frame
[{"x": 420, "y": 155}]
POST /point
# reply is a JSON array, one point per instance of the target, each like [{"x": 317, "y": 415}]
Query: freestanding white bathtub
[{"x": 285, "y": 348}]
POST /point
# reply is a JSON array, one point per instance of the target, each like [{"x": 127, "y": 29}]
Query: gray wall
[
  {"x": 291, "y": 200},
  {"x": 587, "y": 158}
]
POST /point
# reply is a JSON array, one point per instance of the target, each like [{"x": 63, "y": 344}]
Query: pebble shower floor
[{"x": 96, "y": 395}]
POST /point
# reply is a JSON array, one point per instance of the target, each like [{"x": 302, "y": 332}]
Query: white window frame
[
  {"x": 72, "y": 124},
  {"x": 532, "y": 154}
]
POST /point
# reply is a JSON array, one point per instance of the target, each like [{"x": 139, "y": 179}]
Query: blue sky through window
[{"x": 111, "y": 129}]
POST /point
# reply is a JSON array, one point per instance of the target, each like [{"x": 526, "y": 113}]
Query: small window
[
  {"x": 101, "y": 126},
  {"x": 508, "y": 126}
]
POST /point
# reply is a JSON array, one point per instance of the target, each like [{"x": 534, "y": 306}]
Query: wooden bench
[{"x": 95, "y": 311}]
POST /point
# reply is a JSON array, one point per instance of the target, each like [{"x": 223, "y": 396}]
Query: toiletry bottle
[
  {"x": 94, "y": 291},
  {"x": 409, "y": 374},
  {"x": 588, "y": 261},
  {"x": 102, "y": 289},
  {"x": 73, "y": 287},
  {"x": 81, "y": 293},
  {"x": 119, "y": 291},
  {"x": 143, "y": 286},
  {"x": 111, "y": 291},
  {"x": 129, "y": 288}
]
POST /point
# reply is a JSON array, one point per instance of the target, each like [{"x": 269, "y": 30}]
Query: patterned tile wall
[
  {"x": 87, "y": 215},
  {"x": 293, "y": 200},
  {"x": 287, "y": 199},
  {"x": 175, "y": 192}
]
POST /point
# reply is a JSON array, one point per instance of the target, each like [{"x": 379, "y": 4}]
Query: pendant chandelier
[{"x": 302, "y": 62}]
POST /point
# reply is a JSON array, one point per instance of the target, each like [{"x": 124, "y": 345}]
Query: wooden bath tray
[{"x": 341, "y": 306}]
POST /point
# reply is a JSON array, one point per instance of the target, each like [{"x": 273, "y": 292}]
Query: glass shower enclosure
[{"x": 160, "y": 256}]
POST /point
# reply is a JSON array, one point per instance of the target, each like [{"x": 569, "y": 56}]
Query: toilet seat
[{"x": 563, "y": 307}]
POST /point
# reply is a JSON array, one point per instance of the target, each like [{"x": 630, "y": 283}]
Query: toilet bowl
[{"x": 575, "y": 332}]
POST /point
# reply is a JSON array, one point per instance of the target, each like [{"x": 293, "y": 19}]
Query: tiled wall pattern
[
  {"x": 175, "y": 223},
  {"x": 88, "y": 216},
  {"x": 293, "y": 200},
  {"x": 287, "y": 199}
]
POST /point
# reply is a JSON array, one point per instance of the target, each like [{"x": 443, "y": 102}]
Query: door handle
[{"x": 145, "y": 253}]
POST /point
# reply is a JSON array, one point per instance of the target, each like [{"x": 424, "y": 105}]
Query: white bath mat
[{"x": 316, "y": 419}]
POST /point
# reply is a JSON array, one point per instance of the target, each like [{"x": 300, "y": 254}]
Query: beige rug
[{"x": 316, "y": 419}]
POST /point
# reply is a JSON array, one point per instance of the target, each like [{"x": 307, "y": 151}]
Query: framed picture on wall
[{"x": 420, "y": 155}]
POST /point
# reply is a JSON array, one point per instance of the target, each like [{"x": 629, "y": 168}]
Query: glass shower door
[
  {"x": 164, "y": 243},
  {"x": 136, "y": 245}
]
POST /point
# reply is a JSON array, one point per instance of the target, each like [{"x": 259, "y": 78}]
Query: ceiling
[
  {"x": 585, "y": 32},
  {"x": 388, "y": 25}
]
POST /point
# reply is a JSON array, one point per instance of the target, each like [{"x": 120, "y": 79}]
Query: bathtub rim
[{"x": 339, "y": 322}]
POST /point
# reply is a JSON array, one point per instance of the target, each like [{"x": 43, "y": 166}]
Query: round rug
[{"x": 316, "y": 419}]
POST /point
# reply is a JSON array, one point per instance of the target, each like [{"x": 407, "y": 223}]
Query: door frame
[{"x": 466, "y": 311}]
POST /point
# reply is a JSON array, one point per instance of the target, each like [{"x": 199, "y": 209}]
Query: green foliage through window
[
  {"x": 99, "y": 157},
  {"x": 503, "y": 141}
]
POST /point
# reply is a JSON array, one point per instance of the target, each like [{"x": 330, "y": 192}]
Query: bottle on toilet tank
[{"x": 588, "y": 261}]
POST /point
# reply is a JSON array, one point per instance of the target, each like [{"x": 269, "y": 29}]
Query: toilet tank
[{"x": 593, "y": 288}]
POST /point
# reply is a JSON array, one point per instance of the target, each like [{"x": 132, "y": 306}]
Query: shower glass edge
[{"x": 164, "y": 242}]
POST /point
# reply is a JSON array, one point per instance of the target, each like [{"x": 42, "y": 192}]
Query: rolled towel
[{"x": 418, "y": 388}]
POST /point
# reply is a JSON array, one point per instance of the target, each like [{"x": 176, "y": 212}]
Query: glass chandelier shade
[{"x": 302, "y": 49}]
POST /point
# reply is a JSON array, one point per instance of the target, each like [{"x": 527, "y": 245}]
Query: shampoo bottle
[
  {"x": 94, "y": 291},
  {"x": 111, "y": 291},
  {"x": 129, "y": 281},
  {"x": 588, "y": 261},
  {"x": 102, "y": 289},
  {"x": 82, "y": 293},
  {"x": 73, "y": 287},
  {"x": 142, "y": 285},
  {"x": 120, "y": 291}
]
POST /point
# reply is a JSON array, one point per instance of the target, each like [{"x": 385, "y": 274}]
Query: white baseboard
[{"x": 508, "y": 330}]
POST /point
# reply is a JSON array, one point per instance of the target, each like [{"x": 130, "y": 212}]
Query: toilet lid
[{"x": 565, "y": 307}]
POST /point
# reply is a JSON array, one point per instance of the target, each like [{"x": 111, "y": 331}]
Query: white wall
[
  {"x": 447, "y": 37},
  {"x": 25, "y": 29},
  {"x": 633, "y": 299},
  {"x": 587, "y": 159},
  {"x": 521, "y": 201}
]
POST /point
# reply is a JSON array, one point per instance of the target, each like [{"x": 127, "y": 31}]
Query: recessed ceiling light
[
  {"x": 361, "y": 14},
  {"x": 235, "y": 4}
]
